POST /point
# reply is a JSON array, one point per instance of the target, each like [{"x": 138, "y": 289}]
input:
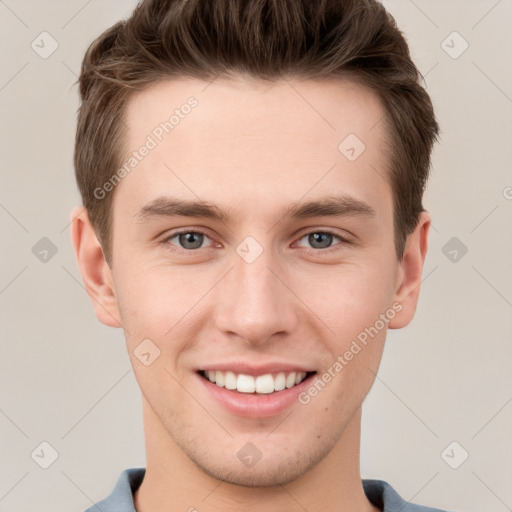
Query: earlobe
[
  {"x": 410, "y": 273},
  {"x": 96, "y": 274}
]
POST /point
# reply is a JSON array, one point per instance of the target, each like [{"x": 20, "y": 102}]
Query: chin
[
  {"x": 265, "y": 476},
  {"x": 273, "y": 469}
]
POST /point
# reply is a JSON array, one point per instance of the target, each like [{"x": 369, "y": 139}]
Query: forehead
[
  {"x": 250, "y": 138},
  {"x": 329, "y": 107}
]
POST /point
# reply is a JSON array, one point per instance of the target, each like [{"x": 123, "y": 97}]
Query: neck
[{"x": 174, "y": 483}]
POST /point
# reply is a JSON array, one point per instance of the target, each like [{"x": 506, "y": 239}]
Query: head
[{"x": 275, "y": 104}]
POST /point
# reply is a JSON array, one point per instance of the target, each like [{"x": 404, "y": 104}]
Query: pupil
[
  {"x": 191, "y": 240},
  {"x": 317, "y": 239}
]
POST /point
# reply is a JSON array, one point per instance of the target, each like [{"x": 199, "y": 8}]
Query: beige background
[{"x": 66, "y": 379}]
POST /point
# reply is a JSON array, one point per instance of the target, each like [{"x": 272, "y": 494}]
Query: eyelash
[{"x": 199, "y": 231}]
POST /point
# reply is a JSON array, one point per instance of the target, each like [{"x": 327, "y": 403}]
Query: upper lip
[{"x": 256, "y": 369}]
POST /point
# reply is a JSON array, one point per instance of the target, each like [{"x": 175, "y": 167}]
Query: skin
[{"x": 253, "y": 149}]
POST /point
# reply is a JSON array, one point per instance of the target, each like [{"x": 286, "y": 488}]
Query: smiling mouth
[{"x": 262, "y": 384}]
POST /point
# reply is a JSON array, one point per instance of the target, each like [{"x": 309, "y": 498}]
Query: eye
[
  {"x": 320, "y": 239},
  {"x": 188, "y": 240},
  {"x": 193, "y": 240}
]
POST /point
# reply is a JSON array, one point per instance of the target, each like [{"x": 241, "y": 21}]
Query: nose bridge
[{"x": 254, "y": 303}]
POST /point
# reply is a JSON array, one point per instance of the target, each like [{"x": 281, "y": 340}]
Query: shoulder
[
  {"x": 121, "y": 498},
  {"x": 381, "y": 494}
]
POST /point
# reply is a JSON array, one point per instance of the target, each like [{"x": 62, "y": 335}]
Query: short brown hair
[{"x": 265, "y": 39}]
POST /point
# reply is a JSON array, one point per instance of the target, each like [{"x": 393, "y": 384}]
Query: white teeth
[
  {"x": 219, "y": 379},
  {"x": 266, "y": 384},
  {"x": 229, "y": 380},
  {"x": 280, "y": 382},
  {"x": 290, "y": 380},
  {"x": 245, "y": 383}
]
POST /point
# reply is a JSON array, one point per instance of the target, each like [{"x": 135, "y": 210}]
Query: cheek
[
  {"x": 351, "y": 302},
  {"x": 166, "y": 308},
  {"x": 348, "y": 298},
  {"x": 155, "y": 311},
  {"x": 155, "y": 300}
]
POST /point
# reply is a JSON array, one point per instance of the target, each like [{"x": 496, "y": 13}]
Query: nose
[{"x": 254, "y": 302}]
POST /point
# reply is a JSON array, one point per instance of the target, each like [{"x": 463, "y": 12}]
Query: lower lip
[{"x": 250, "y": 405}]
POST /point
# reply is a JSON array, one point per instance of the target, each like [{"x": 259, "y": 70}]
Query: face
[{"x": 253, "y": 247}]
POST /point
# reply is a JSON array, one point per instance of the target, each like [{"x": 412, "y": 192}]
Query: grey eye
[
  {"x": 189, "y": 240},
  {"x": 319, "y": 240}
]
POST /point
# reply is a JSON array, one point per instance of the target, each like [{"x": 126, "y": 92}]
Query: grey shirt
[{"x": 378, "y": 492}]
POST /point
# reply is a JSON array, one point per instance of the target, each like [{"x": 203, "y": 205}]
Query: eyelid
[
  {"x": 298, "y": 236},
  {"x": 343, "y": 240},
  {"x": 331, "y": 231},
  {"x": 173, "y": 234}
]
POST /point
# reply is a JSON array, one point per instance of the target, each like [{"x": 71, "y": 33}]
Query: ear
[
  {"x": 96, "y": 274},
  {"x": 410, "y": 272}
]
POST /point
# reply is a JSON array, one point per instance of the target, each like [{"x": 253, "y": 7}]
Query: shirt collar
[{"x": 378, "y": 492}]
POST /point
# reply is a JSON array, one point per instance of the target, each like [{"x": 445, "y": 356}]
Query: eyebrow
[{"x": 330, "y": 206}]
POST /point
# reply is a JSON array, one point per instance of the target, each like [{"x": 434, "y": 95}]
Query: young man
[{"x": 252, "y": 176}]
